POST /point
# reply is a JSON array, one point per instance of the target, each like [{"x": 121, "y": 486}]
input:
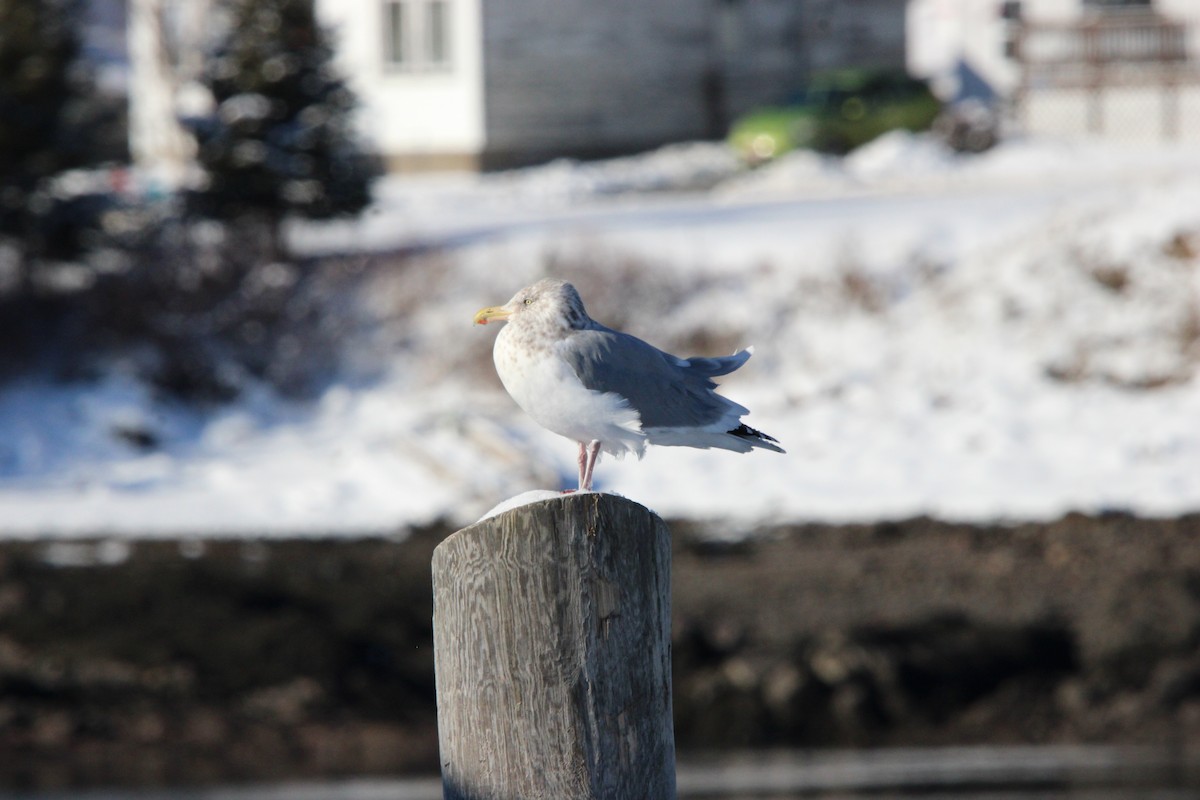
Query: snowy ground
[{"x": 1011, "y": 336}]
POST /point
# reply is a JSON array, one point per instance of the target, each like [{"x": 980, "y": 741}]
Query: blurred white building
[{"x": 473, "y": 83}]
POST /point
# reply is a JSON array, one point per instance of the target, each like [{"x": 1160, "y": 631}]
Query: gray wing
[{"x": 667, "y": 392}]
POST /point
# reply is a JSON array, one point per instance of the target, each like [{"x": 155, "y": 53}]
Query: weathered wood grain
[{"x": 552, "y": 645}]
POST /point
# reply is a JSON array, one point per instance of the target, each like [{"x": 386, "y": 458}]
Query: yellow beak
[{"x": 491, "y": 314}]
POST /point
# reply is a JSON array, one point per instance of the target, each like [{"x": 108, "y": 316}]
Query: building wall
[
  {"x": 854, "y": 33},
  {"x": 415, "y": 119},
  {"x": 572, "y": 77},
  {"x": 537, "y": 79}
]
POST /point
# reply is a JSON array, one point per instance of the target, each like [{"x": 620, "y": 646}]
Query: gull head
[{"x": 549, "y": 303}]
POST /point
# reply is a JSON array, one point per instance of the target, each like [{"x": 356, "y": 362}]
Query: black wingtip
[{"x": 757, "y": 437}]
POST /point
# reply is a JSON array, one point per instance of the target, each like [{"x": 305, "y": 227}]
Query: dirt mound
[{"x": 193, "y": 662}]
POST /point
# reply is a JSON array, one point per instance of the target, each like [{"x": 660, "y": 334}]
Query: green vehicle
[{"x": 837, "y": 112}]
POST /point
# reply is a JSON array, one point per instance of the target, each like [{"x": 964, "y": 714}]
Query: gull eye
[{"x": 528, "y": 301}]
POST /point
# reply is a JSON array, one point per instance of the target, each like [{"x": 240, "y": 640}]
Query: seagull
[{"x": 607, "y": 390}]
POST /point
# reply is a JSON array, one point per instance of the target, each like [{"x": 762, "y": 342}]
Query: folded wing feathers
[
  {"x": 673, "y": 396},
  {"x": 714, "y": 367}
]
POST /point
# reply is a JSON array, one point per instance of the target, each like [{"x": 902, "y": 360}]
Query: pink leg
[
  {"x": 592, "y": 456},
  {"x": 583, "y": 457}
]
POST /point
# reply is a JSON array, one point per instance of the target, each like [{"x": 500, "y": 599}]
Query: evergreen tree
[
  {"x": 280, "y": 141},
  {"x": 41, "y": 106}
]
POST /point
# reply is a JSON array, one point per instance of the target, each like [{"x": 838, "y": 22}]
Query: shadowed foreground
[{"x": 166, "y": 662}]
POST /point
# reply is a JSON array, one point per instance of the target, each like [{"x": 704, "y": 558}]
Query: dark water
[
  {"x": 426, "y": 789},
  {"x": 971, "y": 773},
  {"x": 430, "y": 789}
]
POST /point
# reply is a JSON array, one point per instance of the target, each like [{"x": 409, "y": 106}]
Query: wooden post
[{"x": 552, "y": 643}]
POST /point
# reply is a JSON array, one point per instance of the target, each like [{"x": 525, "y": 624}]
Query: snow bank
[{"x": 1007, "y": 337}]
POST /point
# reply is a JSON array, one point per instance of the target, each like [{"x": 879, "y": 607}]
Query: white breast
[{"x": 549, "y": 391}]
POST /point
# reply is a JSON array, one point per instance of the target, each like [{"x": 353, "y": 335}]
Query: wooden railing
[
  {"x": 1101, "y": 52},
  {"x": 1106, "y": 39},
  {"x": 1111, "y": 49}
]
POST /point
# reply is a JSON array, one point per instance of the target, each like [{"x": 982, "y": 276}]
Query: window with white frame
[{"x": 417, "y": 35}]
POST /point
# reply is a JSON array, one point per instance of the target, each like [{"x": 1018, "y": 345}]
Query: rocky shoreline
[{"x": 203, "y": 661}]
